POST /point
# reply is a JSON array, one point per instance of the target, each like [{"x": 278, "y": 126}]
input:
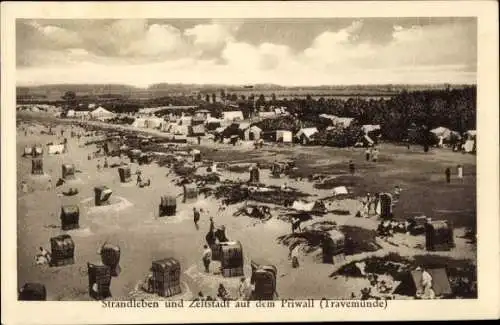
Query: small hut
[
  {"x": 264, "y": 281},
  {"x": 333, "y": 247},
  {"x": 37, "y": 166},
  {"x": 102, "y": 194},
  {"x": 32, "y": 292},
  {"x": 99, "y": 281},
  {"x": 70, "y": 217},
  {"x": 439, "y": 235},
  {"x": 110, "y": 256},
  {"x": 62, "y": 250},
  {"x": 231, "y": 259},
  {"x": 190, "y": 193},
  {"x": 254, "y": 174},
  {"x": 166, "y": 277},
  {"x": 68, "y": 171},
  {"x": 168, "y": 206},
  {"x": 125, "y": 174}
]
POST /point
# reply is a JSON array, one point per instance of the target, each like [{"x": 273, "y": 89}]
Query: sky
[{"x": 288, "y": 52}]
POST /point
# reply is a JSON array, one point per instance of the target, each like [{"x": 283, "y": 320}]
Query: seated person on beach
[
  {"x": 222, "y": 292},
  {"x": 42, "y": 257}
]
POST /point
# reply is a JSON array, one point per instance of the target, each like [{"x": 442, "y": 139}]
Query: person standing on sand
[
  {"x": 460, "y": 172},
  {"x": 447, "y": 173},
  {"x": 352, "y": 168},
  {"x": 207, "y": 258},
  {"x": 367, "y": 154},
  {"x": 196, "y": 218},
  {"x": 199, "y": 140},
  {"x": 375, "y": 155},
  {"x": 294, "y": 255}
]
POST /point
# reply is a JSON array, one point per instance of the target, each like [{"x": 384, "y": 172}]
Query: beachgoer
[
  {"x": 212, "y": 226},
  {"x": 375, "y": 155},
  {"x": 245, "y": 289},
  {"x": 148, "y": 282},
  {"x": 43, "y": 256},
  {"x": 294, "y": 255},
  {"x": 222, "y": 292},
  {"x": 200, "y": 297},
  {"x": 352, "y": 168},
  {"x": 199, "y": 140},
  {"x": 196, "y": 217},
  {"x": 106, "y": 162},
  {"x": 460, "y": 171},
  {"x": 207, "y": 258},
  {"x": 367, "y": 154},
  {"x": 447, "y": 173},
  {"x": 24, "y": 187},
  {"x": 397, "y": 192},
  {"x": 139, "y": 179},
  {"x": 428, "y": 293},
  {"x": 296, "y": 224}
]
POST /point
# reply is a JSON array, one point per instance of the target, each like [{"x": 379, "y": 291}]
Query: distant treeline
[{"x": 454, "y": 109}]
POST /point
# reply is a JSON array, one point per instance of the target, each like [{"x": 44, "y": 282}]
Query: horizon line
[{"x": 249, "y": 84}]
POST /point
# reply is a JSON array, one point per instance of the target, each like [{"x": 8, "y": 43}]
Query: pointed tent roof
[
  {"x": 308, "y": 132},
  {"x": 101, "y": 111}
]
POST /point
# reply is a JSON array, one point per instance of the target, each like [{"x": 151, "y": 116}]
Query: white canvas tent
[
  {"x": 367, "y": 128},
  {"x": 139, "y": 122},
  {"x": 253, "y": 133},
  {"x": 441, "y": 132},
  {"x": 154, "y": 122},
  {"x": 267, "y": 114},
  {"x": 70, "y": 113},
  {"x": 305, "y": 134},
  {"x": 180, "y": 129},
  {"x": 232, "y": 115},
  {"x": 471, "y": 134},
  {"x": 101, "y": 113}
]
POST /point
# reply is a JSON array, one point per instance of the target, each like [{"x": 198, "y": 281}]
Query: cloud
[
  {"x": 157, "y": 40},
  {"x": 59, "y": 37},
  {"x": 140, "y": 52},
  {"x": 212, "y": 36}
]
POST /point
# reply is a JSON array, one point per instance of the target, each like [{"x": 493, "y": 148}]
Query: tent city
[{"x": 217, "y": 160}]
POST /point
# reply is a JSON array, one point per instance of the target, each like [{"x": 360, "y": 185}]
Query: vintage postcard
[{"x": 249, "y": 161}]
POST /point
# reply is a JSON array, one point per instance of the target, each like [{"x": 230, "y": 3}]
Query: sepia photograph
[{"x": 216, "y": 161}]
